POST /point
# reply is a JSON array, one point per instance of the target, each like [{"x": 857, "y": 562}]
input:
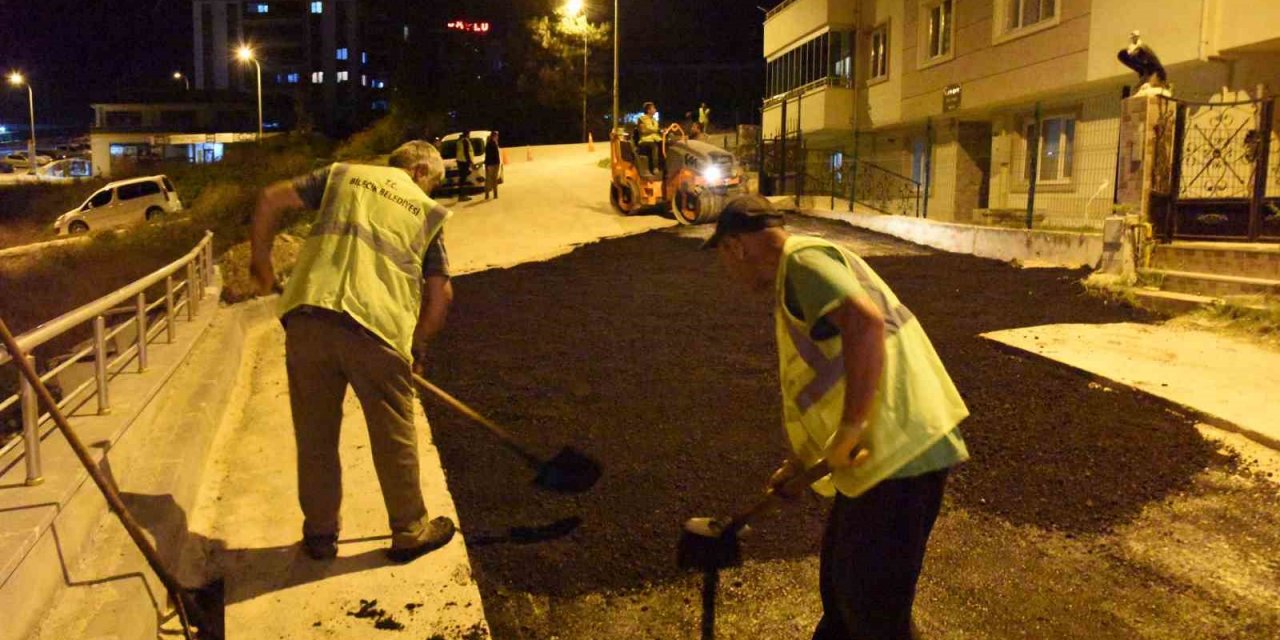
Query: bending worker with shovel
[
  {"x": 857, "y": 371},
  {"x": 370, "y": 288}
]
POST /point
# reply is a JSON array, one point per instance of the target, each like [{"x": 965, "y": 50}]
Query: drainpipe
[
  {"x": 928, "y": 161},
  {"x": 1205, "y": 11},
  {"x": 1033, "y": 149},
  {"x": 857, "y": 98}
]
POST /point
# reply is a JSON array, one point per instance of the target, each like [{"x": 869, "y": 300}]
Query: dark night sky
[{"x": 77, "y": 51}]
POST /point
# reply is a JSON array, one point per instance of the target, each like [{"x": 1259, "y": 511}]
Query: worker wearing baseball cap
[{"x": 856, "y": 369}]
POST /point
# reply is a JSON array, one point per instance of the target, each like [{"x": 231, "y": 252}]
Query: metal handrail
[{"x": 198, "y": 265}]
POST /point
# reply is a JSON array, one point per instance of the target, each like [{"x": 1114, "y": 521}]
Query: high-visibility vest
[
  {"x": 649, "y": 129},
  {"x": 364, "y": 255},
  {"x": 915, "y": 406},
  {"x": 464, "y": 155},
  {"x": 704, "y": 116}
]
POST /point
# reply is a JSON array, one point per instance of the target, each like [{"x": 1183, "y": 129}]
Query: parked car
[
  {"x": 66, "y": 170},
  {"x": 122, "y": 203},
  {"x": 18, "y": 160},
  {"x": 472, "y": 177}
]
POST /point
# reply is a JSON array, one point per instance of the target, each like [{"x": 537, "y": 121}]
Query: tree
[{"x": 552, "y": 66}]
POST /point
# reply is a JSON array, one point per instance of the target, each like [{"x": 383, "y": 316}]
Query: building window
[
  {"x": 880, "y": 52},
  {"x": 841, "y": 58},
  {"x": 317, "y": 77},
  {"x": 317, "y": 7},
  {"x": 1056, "y": 148},
  {"x": 342, "y": 53},
  {"x": 1019, "y": 14},
  {"x": 292, "y": 78},
  {"x": 260, "y": 8},
  {"x": 824, "y": 60},
  {"x": 940, "y": 29},
  {"x": 364, "y": 57},
  {"x": 342, "y": 76},
  {"x": 364, "y": 80}
]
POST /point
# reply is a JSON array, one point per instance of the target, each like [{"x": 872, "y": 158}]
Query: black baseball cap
[{"x": 745, "y": 214}]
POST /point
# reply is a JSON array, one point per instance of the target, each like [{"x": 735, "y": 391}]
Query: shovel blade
[
  {"x": 569, "y": 471},
  {"x": 701, "y": 553},
  {"x": 206, "y": 609}
]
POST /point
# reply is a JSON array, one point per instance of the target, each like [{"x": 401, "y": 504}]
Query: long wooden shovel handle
[
  {"x": 801, "y": 480},
  {"x": 493, "y": 427},
  {"x": 108, "y": 491}
]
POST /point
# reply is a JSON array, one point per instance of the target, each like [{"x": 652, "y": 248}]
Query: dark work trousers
[{"x": 872, "y": 553}]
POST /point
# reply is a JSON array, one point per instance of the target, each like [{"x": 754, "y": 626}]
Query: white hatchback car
[
  {"x": 122, "y": 203},
  {"x": 473, "y": 177}
]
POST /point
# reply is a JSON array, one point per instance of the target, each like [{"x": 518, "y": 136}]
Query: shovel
[
  {"x": 202, "y": 608},
  {"x": 569, "y": 471},
  {"x": 709, "y": 544}
]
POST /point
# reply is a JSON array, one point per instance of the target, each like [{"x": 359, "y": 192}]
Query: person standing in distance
[
  {"x": 856, "y": 369},
  {"x": 492, "y": 165},
  {"x": 370, "y": 289}
]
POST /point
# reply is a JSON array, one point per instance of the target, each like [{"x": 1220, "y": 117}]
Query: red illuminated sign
[{"x": 469, "y": 26}]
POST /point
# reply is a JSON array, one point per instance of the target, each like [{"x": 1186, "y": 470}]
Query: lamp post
[
  {"x": 16, "y": 79},
  {"x": 177, "y": 75},
  {"x": 245, "y": 54},
  {"x": 614, "y": 121},
  {"x": 576, "y": 9}
]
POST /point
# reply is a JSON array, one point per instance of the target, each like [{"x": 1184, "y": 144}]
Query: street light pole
[
  {"x": 584, "y": 84},
  {"x": 178, "y": 75},
  {"x": 246, "y": 55},
  {"x": 17, "y": 80},
  {"x": 614, "y": 121}
]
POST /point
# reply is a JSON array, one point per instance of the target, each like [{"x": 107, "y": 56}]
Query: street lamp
[
  {"x": 245, "y": 54},
  {"x": 614, "y": 122},
  {"x": 177, "y": 75},
  {"x": 17, "y": 80},
  {"x": 575, "y": 9}
]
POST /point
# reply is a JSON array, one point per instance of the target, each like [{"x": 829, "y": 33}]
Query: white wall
[{"x": 1171, "y": 27}]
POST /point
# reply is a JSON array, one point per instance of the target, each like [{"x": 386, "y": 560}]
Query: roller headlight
[{"x": 713, "y": 174}]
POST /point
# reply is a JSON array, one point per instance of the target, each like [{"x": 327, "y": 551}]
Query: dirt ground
[{"x": 642, "y": 352}]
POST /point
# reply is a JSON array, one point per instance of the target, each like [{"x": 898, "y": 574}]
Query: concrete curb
[
  {"x": 1030, "y": 247},
  {"x": 1171, "y": 405}
]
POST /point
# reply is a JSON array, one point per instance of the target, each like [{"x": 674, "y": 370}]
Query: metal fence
[
  {"x": 791, "y": 168},
  {"x": 184, "y": 282}
]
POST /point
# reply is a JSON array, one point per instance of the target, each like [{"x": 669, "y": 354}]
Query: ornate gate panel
[{"x": 1224, "y": 182}]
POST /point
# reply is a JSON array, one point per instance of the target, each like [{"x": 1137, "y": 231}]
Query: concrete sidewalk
[
  {"x": 249, "y": 519},
  {"x": 1228, "y": 382}
]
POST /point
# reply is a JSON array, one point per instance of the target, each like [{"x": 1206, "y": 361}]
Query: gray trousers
[{"x": 324, "y": 352}]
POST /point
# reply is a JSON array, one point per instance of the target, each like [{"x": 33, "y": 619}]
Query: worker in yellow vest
[
  {"x": 370, "y": 289},
  {"x": 649, "y": 133},
  {"x": 856, "y": 370}
]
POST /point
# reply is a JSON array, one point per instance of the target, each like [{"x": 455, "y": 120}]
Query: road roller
[{"x": 695, "y": 184}]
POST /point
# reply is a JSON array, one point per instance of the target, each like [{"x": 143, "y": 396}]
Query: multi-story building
[
  {"x": 953, "y": 93},
  {"x": 331, "y": 57}
]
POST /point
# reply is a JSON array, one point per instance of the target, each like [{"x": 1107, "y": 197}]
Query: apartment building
[
  {"x": 333, "y": 56},
  {"x": 953, "y": 93}
]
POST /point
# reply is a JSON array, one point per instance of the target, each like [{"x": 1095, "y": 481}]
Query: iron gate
[{"x": 1224, "y": 181}]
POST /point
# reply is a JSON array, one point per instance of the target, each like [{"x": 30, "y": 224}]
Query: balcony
[
  {"x": 821, "y": 110},
  {"x": 793, "y": 20}
]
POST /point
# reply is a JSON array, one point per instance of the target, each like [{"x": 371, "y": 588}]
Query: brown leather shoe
[{"x": 439, "y": 532}]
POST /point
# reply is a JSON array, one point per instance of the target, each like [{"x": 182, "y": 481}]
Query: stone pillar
[{"x": 1146, "y": 152}]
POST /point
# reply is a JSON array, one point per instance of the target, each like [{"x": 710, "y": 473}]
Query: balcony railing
[
  {"x": 778, "y": 9},
  {"x": 180, "y": 294},
  {"x": 821, "y": 83}
]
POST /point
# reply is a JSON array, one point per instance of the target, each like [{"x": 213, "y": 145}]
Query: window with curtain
[
  {"x": 940, "y": 28},
  {"x": 879, "y": 53},
  {"x": 1019, "y": 14}
]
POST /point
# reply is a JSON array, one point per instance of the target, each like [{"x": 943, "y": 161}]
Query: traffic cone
[
  {"x": 591, "y": 143},
  {"x": 528, "y": 154},
  {"x": 506, "y": 157}
]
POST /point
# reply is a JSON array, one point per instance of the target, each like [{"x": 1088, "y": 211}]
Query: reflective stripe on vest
[
  {"x": 916, "y": 403},
  {"x": 365, "y": 252}
]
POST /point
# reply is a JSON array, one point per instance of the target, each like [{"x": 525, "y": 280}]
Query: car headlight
[{"x": 713, "y": 174}]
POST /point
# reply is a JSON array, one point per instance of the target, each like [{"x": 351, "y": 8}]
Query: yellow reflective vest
[
  {"x": 916, "y": 403},
  {"x": 364, "y": 255},
  {"x": 649, "y": 129}
]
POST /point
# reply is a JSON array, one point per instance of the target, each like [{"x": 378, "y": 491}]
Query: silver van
[{"x": 122, "y": 203}]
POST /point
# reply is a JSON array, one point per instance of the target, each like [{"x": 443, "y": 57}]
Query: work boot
[
  {"x": 322, "y": 547},
  {"x": 439, "y": 532}
]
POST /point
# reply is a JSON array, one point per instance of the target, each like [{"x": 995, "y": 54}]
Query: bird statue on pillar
[{"x": 1139, "y": 57}]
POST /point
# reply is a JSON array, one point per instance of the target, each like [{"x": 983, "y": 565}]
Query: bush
[
  {"x": 27, "y": 211},
  {"x": 387, "y": 133}
]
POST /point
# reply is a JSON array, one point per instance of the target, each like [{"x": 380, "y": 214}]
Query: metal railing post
[
  {"x": 30, "y": 428},
  {"x": 191, "y": 291},
  {"x": 168, "y": 307},
  {"x": 100, "y": 364},
  {"x": 140, "y": 320}
]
